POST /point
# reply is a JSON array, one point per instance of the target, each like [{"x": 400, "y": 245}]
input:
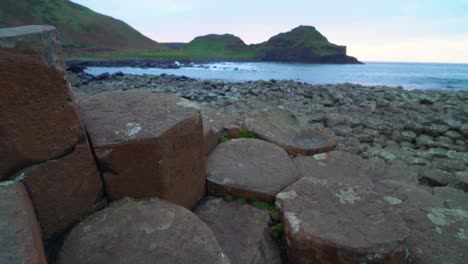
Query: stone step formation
[{"x": 112, "y": 177}]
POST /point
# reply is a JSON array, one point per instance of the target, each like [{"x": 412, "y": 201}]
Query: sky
[{"x": 373, "y": 30}]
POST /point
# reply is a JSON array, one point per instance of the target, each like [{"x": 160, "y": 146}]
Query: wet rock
[
  {"x": 249, "y": 168},
  {"x": 436, "y": 177},
  {"x": 63, "y": 190},
  {"x": 453, "y": 135},
  {"x": 335, "y": 166},
  {"x": 452, "y": 198},
  {"x": 147, "y": 145},
  {"x": 342, "y": 130},
  {"x": 39, "y": 119},
  {"x": 333, "y": 223},
  {"x": 241, "y": 230},
  {"x": 425, "y": 140},
  {"x": 408, "y": 135},
  {"x": 452, "y": 165},
  {"x": 436, "y": 129},
  {"x": 131, "y": 231},
  {"x": 20, "y": 239},
  {"x": 282, "y": 128}
]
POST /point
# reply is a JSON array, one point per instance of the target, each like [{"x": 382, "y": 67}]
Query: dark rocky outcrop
[
  {"x": 147, "y": 145},
  {"x": 131, "y": 231},
  {"x": 304, "y": 44}
]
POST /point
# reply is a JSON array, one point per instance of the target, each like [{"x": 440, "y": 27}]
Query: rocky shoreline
[{"x": 420, "y": 128}]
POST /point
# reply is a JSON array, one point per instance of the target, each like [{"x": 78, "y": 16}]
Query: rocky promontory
[{"x": 168, "y": 169}]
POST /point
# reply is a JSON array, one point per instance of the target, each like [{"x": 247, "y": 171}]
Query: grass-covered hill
[
  {"x": 81, "y": 29},
  {"x": 303, "y": 44},
  {"x": 219, "y": 46}
]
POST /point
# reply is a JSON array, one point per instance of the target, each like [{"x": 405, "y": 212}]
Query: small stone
[
  {"x": 436, "y": 177},
  {"x": 408, "y": 135},
  {"x": 453, "y": 135}
]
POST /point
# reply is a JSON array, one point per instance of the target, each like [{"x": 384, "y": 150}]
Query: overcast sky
[{"x": 373, "y": 30}]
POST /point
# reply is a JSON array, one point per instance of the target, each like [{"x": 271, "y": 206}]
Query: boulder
[
  {"x": 20, "y": 239},
  {"x": 39, "y": 119},
  {"x": 144, "y": 232},
  {"x": 335, "y": 166},
  {"x": 281, "y": 127},
  {"x": 63, "y": 190},
  {"x": 436, "y": 177},
  {"x": 250, "y": 168},
  {"x": 438, "y": 234},
  {"x": 328, "y": 222},
  {"x": 241, "y": 230},
  {"x": 147, "y": 145}
]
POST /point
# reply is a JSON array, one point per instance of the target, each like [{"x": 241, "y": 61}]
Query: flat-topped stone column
[
  {"x": 147, "y": 145},
  {"x": 43, "y": 143}
]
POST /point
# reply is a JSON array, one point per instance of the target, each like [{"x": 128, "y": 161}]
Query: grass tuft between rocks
[{"x": 244, "y": 134}]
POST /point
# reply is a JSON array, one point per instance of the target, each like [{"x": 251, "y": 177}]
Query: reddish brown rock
[
  {"x": 241, "y": 230},
  {"x": 39, "y": 119},
  {"x": 335, "y": 166},
  {"x": 213, "y": 124},
  {"x": 20, "y": 234},
  {"x": 63, "y": 190},
  {"x": 250, "y": 168},
  {"x": 147, "y": 145},
  {"x": 328, "y": 222},
  {"x": 144, "y": 232},
  {"x": 281, "y": 127}
]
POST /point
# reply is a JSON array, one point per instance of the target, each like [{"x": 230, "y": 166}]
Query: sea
[{"x": 438, "y": 76}]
